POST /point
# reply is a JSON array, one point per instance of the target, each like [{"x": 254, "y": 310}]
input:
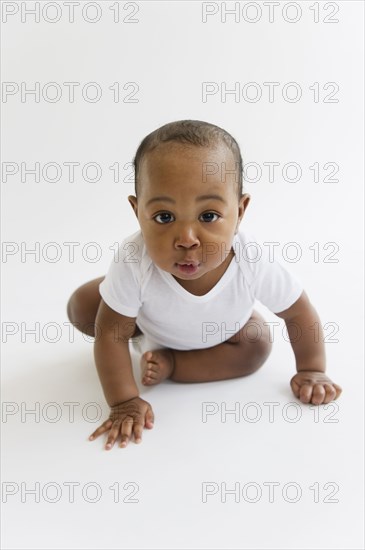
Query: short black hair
[{"x": 188, "y": 132}]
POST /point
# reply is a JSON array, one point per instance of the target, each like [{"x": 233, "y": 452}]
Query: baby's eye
[
  {"x": 162, "y": 214},
  {"x": 165, "y": 217},
  {"x": 210, "y": 214}
]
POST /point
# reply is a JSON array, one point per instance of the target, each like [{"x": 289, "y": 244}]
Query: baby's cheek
[{"x": 160, "y": 258}]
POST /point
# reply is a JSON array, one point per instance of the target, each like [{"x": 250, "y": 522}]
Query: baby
[{"x": 187, "y": 280}]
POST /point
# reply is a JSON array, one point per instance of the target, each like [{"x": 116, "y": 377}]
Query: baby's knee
[
  {"x": 77, "y": 310},
  {"x": 72, "y": 307},
  {"x": 256, "y": 337},
  {"x": 255, "y": 331},
  {"x": 264, "y": 339}
]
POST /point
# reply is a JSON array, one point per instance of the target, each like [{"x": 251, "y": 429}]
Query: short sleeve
[
  {"x": 274, "y": 286},
  {"x": 120, "y": 289}
]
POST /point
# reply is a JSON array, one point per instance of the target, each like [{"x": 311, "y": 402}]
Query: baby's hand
[
  {"x": 314, "y": 387},
  {"x": 126, "y": 417}
]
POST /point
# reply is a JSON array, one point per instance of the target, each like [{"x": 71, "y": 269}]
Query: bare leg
[
  {"x": 241, "y": 355},
  {"x": 83, "y": 306}
]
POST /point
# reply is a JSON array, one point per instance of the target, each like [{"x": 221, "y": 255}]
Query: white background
[{"x": 169, "y": 52}]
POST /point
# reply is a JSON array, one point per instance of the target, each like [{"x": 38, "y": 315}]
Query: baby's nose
[{"x": 187, "y": 237}]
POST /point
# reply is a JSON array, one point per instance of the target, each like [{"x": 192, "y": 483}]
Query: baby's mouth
[
  {"x": 188, "y": 268},
  {"x": 192, "y": 263}
]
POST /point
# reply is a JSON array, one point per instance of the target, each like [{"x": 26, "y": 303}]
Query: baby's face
[{"x": 180, "y": 221}]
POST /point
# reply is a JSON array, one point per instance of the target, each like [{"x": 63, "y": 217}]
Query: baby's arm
[
  {"x": 129, "y": 413},
  {"x": 310, "y": 384}
]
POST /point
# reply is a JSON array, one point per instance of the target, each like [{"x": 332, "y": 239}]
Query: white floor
[{"x": 295, "y": 470}]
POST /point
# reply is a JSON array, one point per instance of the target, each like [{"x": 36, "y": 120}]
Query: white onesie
[{"x": 173, "y": 317}]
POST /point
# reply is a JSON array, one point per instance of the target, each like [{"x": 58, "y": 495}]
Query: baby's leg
[
  {"x": 242, "y": 354},
  {"x": 83, "y": 306}
]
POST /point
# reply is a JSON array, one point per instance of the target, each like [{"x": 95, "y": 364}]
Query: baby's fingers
[
  {"x": 113, "y": 434},
  {"x": 325, "y": 393},
  {"x": 126, "y": 431},
  {"x": 295, "y": 387},
  {"x": 102, "y": 429},
  {"x": 319, "y": 394},
  {"x": 338, "y": 390},
  {"x": 137, "y": 431},
  {"x": 331, "y": 393},
  {"x": 305, "y": 393},
  {"x": 301, "y": 391},
  {"x": 149, "y": 418}
]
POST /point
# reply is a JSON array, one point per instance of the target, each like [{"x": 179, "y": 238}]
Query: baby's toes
[
  {"x": 145, "y": 360},
  {"x": 146, "y": 357},
  {"x": 152, "y": 370},
  {"x": 151, "y": 375},
  {"x": 149, "y": 370}
]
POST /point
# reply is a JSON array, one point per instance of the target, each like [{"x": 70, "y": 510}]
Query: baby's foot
[{"x": 156, "y": 366}]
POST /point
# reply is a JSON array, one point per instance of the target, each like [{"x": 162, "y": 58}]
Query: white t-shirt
[{"x": 173, "y": 317}]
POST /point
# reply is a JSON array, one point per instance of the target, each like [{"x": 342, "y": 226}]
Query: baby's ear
[
  {"x": 134, "y": 203},
  {"x": 242, "y": 206}
]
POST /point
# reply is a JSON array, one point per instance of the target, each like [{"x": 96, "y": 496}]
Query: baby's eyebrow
[{"x": 198, "y": 199}]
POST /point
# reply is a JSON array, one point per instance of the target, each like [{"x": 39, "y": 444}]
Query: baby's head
[
  {"x": 191, "y": 133},
  {"x": 174, "y": 167}
]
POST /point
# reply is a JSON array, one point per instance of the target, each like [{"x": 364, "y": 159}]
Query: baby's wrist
[
  {"x": 120, "y": 406},
  {"x": 320, "y": 369},
  {"x": 314, "y": 365},
  {"x": 124, "y": 399}
]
